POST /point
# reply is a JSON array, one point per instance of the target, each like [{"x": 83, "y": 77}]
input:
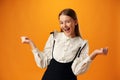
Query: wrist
[
  {"x": 93, "y": 55},
  {"x": 32, "y": 44}
]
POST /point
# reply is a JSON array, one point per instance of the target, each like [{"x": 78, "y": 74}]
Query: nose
[{"x": 64, "y": 25}]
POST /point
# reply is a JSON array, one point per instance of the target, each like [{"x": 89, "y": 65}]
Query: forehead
[{"x": 64, "y": 17}]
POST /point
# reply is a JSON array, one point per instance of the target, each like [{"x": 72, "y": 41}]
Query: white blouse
[{"x": 65, "y": 49}]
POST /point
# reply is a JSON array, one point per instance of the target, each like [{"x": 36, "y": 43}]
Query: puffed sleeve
[
  {"x": 43, "y": 58},
  {"x": 81, "y": 64}
]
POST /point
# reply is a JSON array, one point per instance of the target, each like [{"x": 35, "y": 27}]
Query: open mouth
[{"x": 67, "y": 30}]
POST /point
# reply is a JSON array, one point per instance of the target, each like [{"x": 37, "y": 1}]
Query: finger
[
  {"x": 105, "y": 50},
  {"x": 23, "y": 38}
]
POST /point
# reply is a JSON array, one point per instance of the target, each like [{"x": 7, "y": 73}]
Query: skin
[{"x": 67, "y": 24}]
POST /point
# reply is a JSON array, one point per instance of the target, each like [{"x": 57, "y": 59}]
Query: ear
[{"x": 76, "y": 22}]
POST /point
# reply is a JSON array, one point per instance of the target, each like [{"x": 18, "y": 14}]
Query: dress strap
[
  {"x": 53, "y": 43},
  {"x": 53, "y": 48},
  {"x": 79, "y": 51}
]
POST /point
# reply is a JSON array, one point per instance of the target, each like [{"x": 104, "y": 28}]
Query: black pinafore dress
[{"x": 60, "y": 71}]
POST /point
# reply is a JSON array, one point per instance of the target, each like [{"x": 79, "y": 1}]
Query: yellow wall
[{"x": 99, "y": 23}]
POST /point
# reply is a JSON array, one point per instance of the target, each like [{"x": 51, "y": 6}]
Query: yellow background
[{"x": 99, "y": 22}]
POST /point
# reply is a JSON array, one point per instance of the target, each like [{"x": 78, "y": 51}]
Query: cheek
[
  {"x": 61, "y": 27},
  {"x": 72, "y": 26}
]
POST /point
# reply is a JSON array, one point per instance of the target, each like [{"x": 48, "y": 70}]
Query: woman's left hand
[{"x": 103, "y": 51}]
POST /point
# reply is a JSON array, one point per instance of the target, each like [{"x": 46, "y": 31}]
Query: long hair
[{"x": 72, "y": 14}]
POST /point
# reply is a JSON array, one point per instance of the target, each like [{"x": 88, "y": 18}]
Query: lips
[{"x": 67, "y": 30}]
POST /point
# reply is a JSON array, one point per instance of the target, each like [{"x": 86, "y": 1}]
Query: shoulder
[
  {"x": 56, "y": 34},
  {"x": 79, "y": 39}
]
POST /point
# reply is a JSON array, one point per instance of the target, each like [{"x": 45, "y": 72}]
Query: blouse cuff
[{"x": 88, "y": 59}]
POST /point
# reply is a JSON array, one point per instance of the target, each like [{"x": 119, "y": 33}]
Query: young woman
[{"x": 65, "y": 54}]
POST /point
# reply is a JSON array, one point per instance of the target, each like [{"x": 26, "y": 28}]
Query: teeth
[{"x": 67, "y": 29}]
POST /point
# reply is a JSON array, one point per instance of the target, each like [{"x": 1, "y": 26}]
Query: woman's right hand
[{"x": 25, "y": 39}]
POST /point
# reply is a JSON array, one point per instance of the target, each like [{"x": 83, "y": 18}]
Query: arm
[
  {"x": 27, "y": 40},
  {"x": 42, "y": 58},
  {"x": 82, "y": 63},
  {"x": 102, "y": 51}
]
